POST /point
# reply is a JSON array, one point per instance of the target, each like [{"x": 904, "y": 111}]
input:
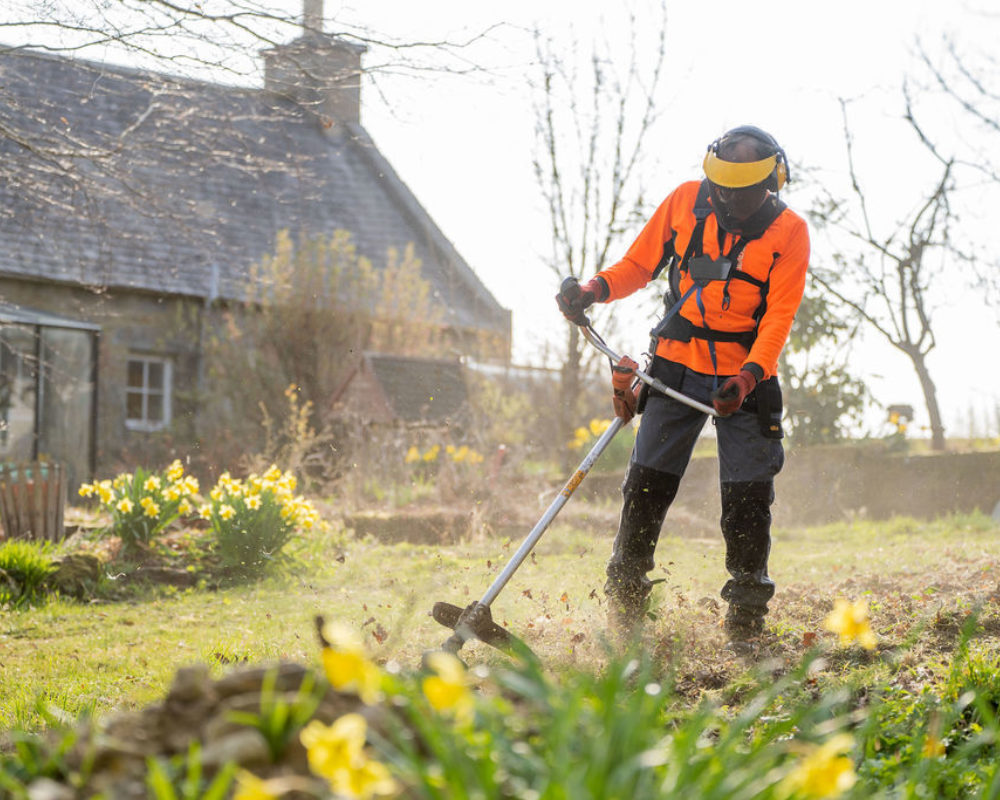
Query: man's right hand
[{"x": 575, "y": 298}]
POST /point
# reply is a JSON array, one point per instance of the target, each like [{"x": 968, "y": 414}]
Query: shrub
[
  {"x": 24, "y": 567},
  {"x": 253, "y": 519},
  {"x": 143, "y": 504}
]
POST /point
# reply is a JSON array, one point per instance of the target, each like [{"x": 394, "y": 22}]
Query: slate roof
[
  {"x": 120, "y": 178},
  {"x": 420, "y": 389}
]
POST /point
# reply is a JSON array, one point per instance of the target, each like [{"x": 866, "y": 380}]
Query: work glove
[
  {"x": 733, "y": 392},
  {"x": 626, "y": 396},
  {"x": 575, "y": 298}
]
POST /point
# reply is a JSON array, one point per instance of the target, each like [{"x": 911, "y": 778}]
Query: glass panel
[
  {"x": 155, "y": 375},
  {"x": 154, "y": 409},
  {"x": 136, "y": 374},
  {"x": 133, "y": 405},
  {"x": 17, "y": 392},
  {"x": 66, "y": 425}
]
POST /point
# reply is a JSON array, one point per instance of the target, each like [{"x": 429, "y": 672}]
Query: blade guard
[{"x": 475, "y": 621}]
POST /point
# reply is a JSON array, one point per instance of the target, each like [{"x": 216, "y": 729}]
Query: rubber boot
[
  {"x": 647, "y": 494},
  {"x": 746, "y": 528}
]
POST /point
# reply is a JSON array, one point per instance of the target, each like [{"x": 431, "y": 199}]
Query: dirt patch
[{"x": 420, "y": 526}]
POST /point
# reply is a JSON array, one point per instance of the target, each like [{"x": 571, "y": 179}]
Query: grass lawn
[{"x": 920, "y": 579}]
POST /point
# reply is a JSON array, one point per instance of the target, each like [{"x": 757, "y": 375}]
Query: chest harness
[{"x": 703, "y": 270}]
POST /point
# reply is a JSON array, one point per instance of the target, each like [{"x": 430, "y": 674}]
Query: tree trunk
[
  {"x": 930, "y": 399},
  {"x": 569, "y": 401}
]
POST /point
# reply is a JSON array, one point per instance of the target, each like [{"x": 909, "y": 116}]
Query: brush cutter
[{"x": 475, "y": 621}]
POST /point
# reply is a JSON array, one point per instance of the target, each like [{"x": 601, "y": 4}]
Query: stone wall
[
  {"x": 131, "y": 323},
  {"x": 828, "y": 484}
]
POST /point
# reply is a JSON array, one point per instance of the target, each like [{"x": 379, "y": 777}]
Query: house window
[{"x": 147, "y": 394}]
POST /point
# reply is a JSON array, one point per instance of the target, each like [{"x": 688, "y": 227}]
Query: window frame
[{"x": 145, "y": 424}]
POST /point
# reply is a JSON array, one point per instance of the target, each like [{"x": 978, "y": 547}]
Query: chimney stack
[{"x": 318, "y": 71}]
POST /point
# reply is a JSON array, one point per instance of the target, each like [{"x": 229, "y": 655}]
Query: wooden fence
[{"x": 32, "y": 500}]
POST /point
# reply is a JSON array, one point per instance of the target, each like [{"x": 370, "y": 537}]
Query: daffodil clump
[
  {"x": 462, "y": 454},
  {"x": 253, "y": 519},
  {"x": 143, "y": 504},
  {"x": 588, "y": 434}
]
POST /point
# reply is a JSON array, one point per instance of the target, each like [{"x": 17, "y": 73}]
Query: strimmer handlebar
[{"x": 654, "y": 383}]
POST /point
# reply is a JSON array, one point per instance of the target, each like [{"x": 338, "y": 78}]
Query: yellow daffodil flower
[
  {"x": 184, "y": 507},
  {"x": 447, "y": 689},
  {"x": 125, "y": 505},
  {"x": 413, "y": 454},
  {"x": 253, "y": 502},
  {"x": 151, "y": 509},
  {"x": 175, "y": 470},
  {"x": 226, "y": 511},
  {"x": 336, "y": 752},
  {"x": 369, "y": 780},
  {"x": 85, "y": 490},
  {"x": 933, "y": 748},
  {"x": 825, "y": 771},
  {"x": 850, "y": 621},
  {"x": 151, "y": 484},
  {"x": 347, "y": 666},
  {"x": 205, "y": 512},
  {"x": 250, "y": 787},
  {"x": 339, "y": 746}
]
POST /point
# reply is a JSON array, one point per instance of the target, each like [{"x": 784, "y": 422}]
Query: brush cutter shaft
[
  {"x": 649, "y": 379},
  {"x": 550, "y": 514}
]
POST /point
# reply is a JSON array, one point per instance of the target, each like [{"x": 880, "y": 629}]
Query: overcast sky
[{"x": 464, "y": 144}]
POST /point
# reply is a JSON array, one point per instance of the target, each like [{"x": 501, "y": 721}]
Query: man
[{"x": 736, "y": 259}]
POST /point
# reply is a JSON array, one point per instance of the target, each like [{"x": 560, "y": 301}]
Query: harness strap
[{"x": 674, "y": 326}]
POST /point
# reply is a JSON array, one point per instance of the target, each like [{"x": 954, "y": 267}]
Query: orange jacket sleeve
[
  {"x": 636, "y": 269},
  {"x": 787, "y": 284}
]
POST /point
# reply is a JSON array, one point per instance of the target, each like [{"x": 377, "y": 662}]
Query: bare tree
[
  {"x": 591, "y": 127},
  {"x": 961, "y": 87},
  {"x": 888, "y": 281}
]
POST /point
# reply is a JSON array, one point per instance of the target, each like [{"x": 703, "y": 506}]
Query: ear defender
[{"x": 772, "y": 171}]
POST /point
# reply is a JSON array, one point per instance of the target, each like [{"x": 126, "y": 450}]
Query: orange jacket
[{"x": 779, "y": 257}]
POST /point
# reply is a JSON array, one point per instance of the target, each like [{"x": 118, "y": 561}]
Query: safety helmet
[{"x": 772, "y": 171}]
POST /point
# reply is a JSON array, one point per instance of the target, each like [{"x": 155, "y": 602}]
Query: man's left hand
[
  {"x": 626, "y": 397},
  {"x": 734, "y": 391}
]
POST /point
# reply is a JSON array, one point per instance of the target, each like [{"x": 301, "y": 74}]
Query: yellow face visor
[{"x": 736, "y": 175}]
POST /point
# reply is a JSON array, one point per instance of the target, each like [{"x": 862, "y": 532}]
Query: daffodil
[
  {"x": 125, "y": 506},
  {"x": 272, "y": 474},
  {"x": 825, "y": 771},
  {"x": 151, "y": 484},
  {"x": 932, "y": 748},
  {"x": 447, "y": 689},
  {"x": 226, "y": 511},
  {"x": 850, "y": 622},
  {"x": 413, "y": 454},
  {"x": 337, "y": 753},
  {"x": 85, "y": 490},
  {"x": 339, "y": 746},
  {"x": 253, "y": 502},
  {"x": 151, "y": 509},
  {"x": 598, "y": 426},
  {"x": 184, "y": 507},
  {"x": 250, "y": 787},
  {"x": 205, "y": 512},
  {"x": 347, "y": 666},
  {"x": 369, "y": 780},
  {"x": 175, "y": 470},
  {"x": 172, "y": 492}
]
